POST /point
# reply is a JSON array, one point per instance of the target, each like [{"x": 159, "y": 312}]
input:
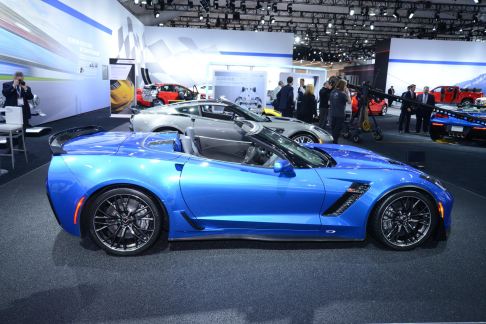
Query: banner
[
  {"x": 122, "y": 86},
  {"x": 246, "y": 89}
]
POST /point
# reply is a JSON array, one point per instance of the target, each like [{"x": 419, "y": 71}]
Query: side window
[
  {"x": 191, "y": 110},
  {"x": 165, "y": 88},
  {"x": 217, "y": 112}
]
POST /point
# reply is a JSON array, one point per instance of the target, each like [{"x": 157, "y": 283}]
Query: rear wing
[{"x": 57, "y": 140}]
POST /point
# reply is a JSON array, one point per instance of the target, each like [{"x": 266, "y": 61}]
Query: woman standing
[
  {"x": 338, "y": 99},
  {"x": 308, "y": 107}
]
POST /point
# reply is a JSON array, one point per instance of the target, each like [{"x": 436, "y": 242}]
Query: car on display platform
[
  {"x": 163, "y": 93},
  {"x": 215, "y": 118},
  {"x": 377, "y": 107},
  {"x": 124, "y": 190},
  {"x": 442, "y": 125}
]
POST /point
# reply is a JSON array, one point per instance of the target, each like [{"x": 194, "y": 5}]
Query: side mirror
[{"x": 284, "y": 167}]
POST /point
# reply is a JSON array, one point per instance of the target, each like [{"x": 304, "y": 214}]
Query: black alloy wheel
[
  {"x": 124, "y": 221},
  {"x": 405, "y": 220},
  {"x": 304, "y": 138}
]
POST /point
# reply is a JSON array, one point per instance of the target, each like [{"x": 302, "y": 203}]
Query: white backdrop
[{"x": 436, "y": 63}]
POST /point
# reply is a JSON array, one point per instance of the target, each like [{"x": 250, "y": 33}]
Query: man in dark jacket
[
  {"x": 406, "y": 109},
  {"x": 391, "y": 91},
  {"x": 17, "y": 93},
  {"x": 285, "y": 98},
  {"x": 423, "y": 113},
  {"x": 324, "y": 94}
]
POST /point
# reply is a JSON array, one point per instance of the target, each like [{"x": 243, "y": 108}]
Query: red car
[
  {"x": 163, "y": 93},
  {"x": 379, "y": 107},
  {"x": 455, "y": 95}
]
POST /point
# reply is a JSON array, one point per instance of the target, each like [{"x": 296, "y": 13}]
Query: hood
[{"x": 350, "y": 157}]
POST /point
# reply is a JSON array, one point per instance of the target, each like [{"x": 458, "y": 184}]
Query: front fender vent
[{"x": 353, "y": 193}]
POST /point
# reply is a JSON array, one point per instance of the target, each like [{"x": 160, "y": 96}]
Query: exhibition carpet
[
  {"x": 49, "y": 276},
  {"x": 38, "y": 149}
]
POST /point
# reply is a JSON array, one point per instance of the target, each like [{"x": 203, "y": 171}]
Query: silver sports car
[{"x": 215, "y": 118}]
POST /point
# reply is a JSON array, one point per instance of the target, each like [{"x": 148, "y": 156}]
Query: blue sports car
[
  {"x": 125, "y": 189},
  {"x": 446, "y": 126}
]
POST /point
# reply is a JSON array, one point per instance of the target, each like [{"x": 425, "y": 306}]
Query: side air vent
[
  {"x": 192, "y": 222},
  {"x": 354, "y": 192}
]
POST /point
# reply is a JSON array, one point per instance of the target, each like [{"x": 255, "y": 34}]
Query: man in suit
[
  {"x": 17, "y": 93},
  {"x": 423, "y": 113},
  {"x": 406, "y": 110},
  {"x": 285, "y": 99},
  {"x": 324, "y": 95},
  {"x": 391, "y": 91}
]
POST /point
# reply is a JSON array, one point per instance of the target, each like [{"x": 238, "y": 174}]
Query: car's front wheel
[
  {"x": 124, "y": 221},
  {"x": 304, "y": 138},
  {"x": 404, "y": 220}
]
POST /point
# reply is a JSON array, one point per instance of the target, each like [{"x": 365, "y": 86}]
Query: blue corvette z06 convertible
[{"x": 124, "y": 190}]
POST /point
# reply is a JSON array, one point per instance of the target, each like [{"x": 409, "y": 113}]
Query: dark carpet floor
[{"x": 49, "y": 276}]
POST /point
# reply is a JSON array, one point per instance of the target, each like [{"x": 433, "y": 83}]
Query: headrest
[{"x": 190, "y": 132}]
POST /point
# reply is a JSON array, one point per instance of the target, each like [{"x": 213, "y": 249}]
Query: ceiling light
[
  {"x": 351, "y": 11},
  {"x": 372, "y": 26},
  {"x": 395, "y": 14},
  {"x": 272, "y": 19},
  {"x": 329, "y": 24},
  {"x": 156, "y": 14},
  {"x": 405, "y": 27},
  {"x": 411, "y": 13},
  {"x": 262, "y": 20},
  {"x": 137, "y": 2},
  {"x": 297, "y": 39},
  {"x": 201, "y": 16}
]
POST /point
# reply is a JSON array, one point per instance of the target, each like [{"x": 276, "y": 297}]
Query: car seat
[{"x": 190, "y": 143}]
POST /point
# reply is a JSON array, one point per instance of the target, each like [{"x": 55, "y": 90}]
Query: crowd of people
[{"x": 333, "y": 97}]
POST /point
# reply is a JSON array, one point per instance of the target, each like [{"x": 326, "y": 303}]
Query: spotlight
[
  {"x": 477, "y": 1},
  {"x": 297, "y": 39},
  {"x": 395, "y": 14},
  {"x": 351, "y": 11},
  {"x": 136, "y": 2},
  {"x": 262, "y": 20},
  {"x": 434, "y": 28},
  {"x": 289, "y": 8},
  {"x": 372, "y": 26},
  {"x": 201, "y": 16},
  {"x": 272, "y": 19},
  {"x": 329, "y": 24},
  {"x": 411, "y": 13},
  {"x": 405, "y": 27},
  {"x": 156, "y": 14}
]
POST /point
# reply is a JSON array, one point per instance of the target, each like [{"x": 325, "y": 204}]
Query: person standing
[
  {"x": 308, "y": 108},
  {"x": 406, "y": 110},
  {"x": 17, "y": 93},
  {"x": 391, "y": 91},
  {"x": 423, "y": 113},
  {"x": 300, "y": 92},
  {"x": 338, "y": 99},
  {"x": 275, "y": 93},
  {"x": 285, "y": 99},
  {"x": 324, "y": 94}
]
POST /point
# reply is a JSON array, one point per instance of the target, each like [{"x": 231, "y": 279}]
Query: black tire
[
  {"x": 299, "y": 138},
  {"x": 114, "y": 228},
  {"x": 404, "y": 227},
  {"x": 434, "y": 135},
  {"x": 467, "y": 102}
]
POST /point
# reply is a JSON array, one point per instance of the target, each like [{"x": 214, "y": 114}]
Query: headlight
[{"x": 433, "y": 180}]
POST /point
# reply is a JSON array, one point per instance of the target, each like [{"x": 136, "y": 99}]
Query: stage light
[
  {"x": 262, "y": 20},
  {"x": 405, "y": 27},
  {"x": 156, "y": 14},
  {"x": 297, "y": 39},
  {"x": 434, "y": 28},
  {"x": 395, "y": 14},
  {"x": 137, "y": 2},
  {"x": 201, "y": 16},
  {"x": 372, "y": 26},
  {"x": 411, "y": 13},
  {"x": 272, "y": 19},
  {"x": 351, "y": 11},
  {"x": 477, "y": 1},
  {"x": 329, "y": 24}
]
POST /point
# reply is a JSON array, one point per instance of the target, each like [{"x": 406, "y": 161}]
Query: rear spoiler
[{"x": 57, "y": 140}]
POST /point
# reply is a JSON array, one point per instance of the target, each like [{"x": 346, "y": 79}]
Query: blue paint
[
  {"x": 256, "y": 54},
  {"x": 437, "y": 62},
  {"x": 76, "y": 14}
]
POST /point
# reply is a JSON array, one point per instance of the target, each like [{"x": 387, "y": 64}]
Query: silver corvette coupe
[{"x": 215, "y": 118}]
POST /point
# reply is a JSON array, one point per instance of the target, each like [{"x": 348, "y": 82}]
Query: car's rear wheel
[
  {"x": 404, "y": 220},
  {"x": 124, "y": 221},
  {"x": 304, "y": 138}
]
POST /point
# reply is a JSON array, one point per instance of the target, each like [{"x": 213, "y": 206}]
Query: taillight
[{"x": 441, "y": 116}]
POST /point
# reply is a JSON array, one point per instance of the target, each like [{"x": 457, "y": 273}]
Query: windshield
[
  {"x": 294, "y": 151},
  {"x": 247, "y": 114}
]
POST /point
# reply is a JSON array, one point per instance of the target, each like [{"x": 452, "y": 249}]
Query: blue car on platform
[
  {"x": 125, "y": 190},
  {"x": 442, "y": 125}
]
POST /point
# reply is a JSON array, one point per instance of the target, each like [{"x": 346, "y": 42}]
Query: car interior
[{"x": 244, "y": 152}]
